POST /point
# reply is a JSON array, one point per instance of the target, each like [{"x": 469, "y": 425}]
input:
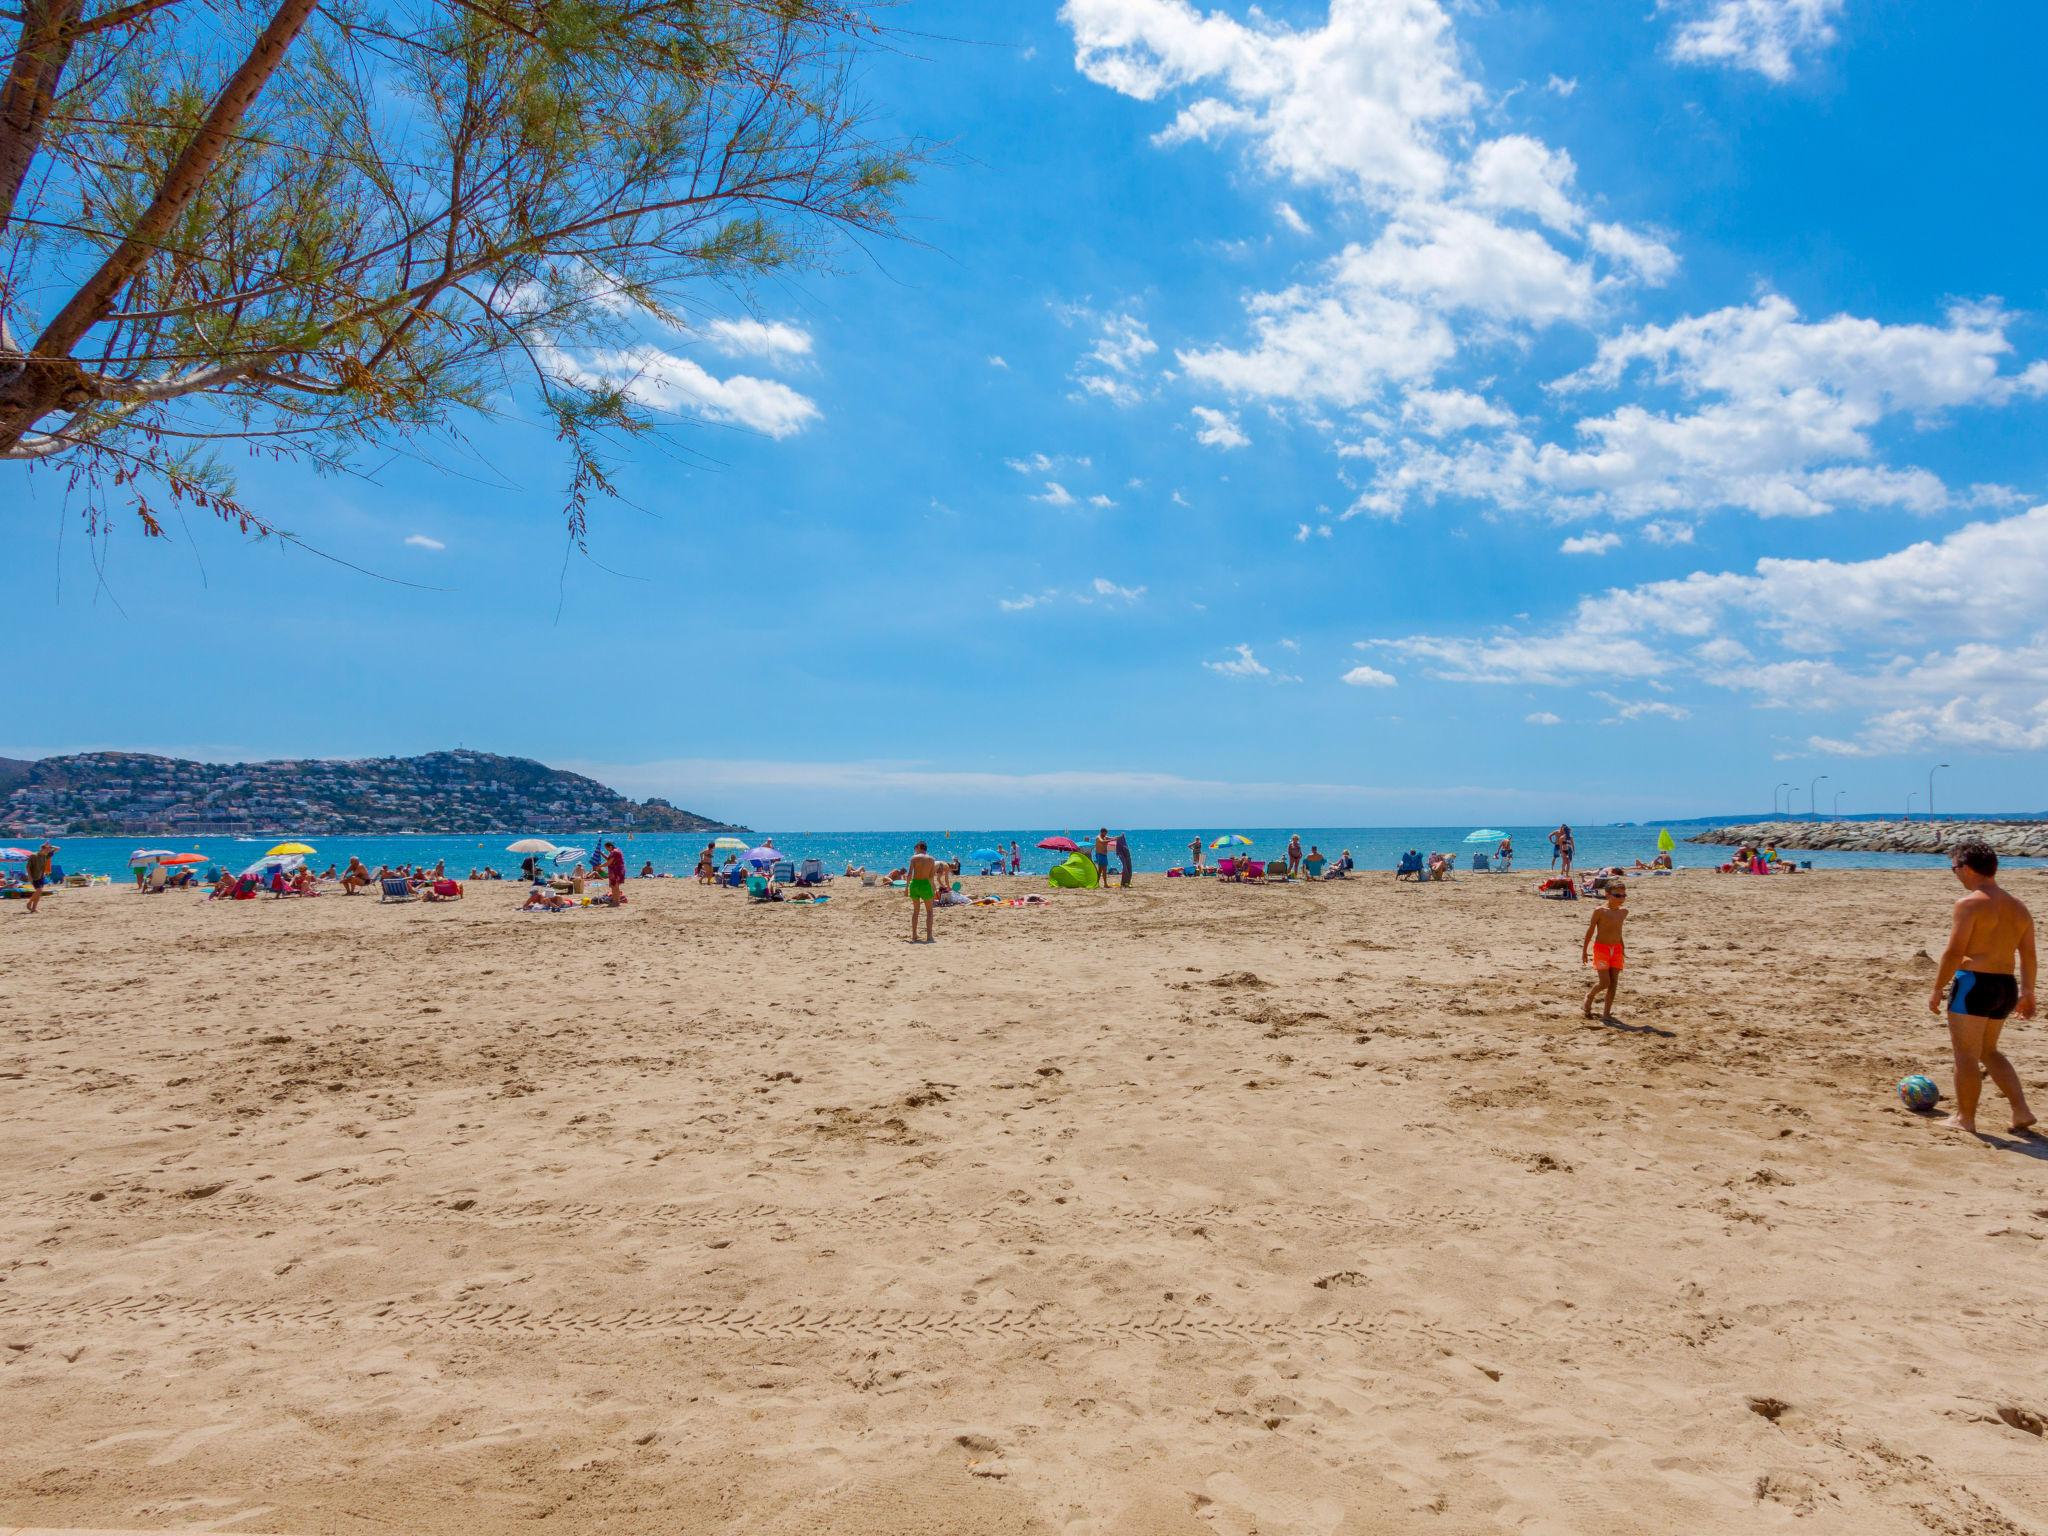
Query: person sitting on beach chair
[
  {"x": 443, "y": 890},
  {"x": 1410, "y": 867}
]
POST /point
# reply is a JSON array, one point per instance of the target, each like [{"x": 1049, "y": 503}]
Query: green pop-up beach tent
[
  {"x": 1664, "y": 842},
  {"x": 1077, "y": 874}
]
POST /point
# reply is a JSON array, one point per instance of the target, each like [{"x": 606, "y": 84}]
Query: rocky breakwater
[{"x": 2017, "y": 839}]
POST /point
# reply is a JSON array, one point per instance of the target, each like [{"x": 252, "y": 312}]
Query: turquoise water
[{"x": 1151, "y": 849}]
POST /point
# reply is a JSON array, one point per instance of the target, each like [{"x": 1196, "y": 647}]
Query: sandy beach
[{"x": 1182, "y": 1210}]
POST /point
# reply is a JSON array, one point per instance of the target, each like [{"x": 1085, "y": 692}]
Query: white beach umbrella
[{"x": 530, "y": 845}]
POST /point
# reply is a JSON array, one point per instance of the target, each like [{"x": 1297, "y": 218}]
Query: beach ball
[{"x": 1918, "y": 1093}]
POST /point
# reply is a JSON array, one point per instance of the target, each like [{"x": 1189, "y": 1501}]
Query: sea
[{"x": 1152, "y": 849}]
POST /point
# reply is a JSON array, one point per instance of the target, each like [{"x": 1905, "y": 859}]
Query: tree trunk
[{"x": 49, "y": 378}]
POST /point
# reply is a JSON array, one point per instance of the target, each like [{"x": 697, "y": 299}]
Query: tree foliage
[{"x": 309, "y": 225}]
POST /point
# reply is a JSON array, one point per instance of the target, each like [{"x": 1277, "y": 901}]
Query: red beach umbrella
[{"x": 1061, "y": 845}]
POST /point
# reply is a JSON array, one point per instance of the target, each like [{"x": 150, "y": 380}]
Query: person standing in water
[{"x": 1980, "y": 986}]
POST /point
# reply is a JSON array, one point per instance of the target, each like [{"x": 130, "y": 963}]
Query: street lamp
[
  {"x": 1909, "y": 803},
  {"x": 1813, "y": 805},
  {"x": 1774, "y": 800},
  {"x": 1838, "y": 803},
  {"x": 1930, "y": 788}
]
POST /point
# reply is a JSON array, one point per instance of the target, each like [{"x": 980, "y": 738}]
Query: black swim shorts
[{"x": 1983, "y": 996}]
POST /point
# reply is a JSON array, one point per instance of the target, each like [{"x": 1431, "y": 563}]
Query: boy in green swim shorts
[{"x": 924, "y": 890}]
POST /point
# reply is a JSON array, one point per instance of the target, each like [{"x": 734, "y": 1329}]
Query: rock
[{"x": 2015, "y": 839}]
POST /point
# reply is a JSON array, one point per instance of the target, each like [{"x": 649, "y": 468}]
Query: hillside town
[{"x": 130, "y": 792}]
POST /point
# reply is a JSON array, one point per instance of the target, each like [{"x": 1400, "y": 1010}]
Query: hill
[{"x": 133, "y": 792}]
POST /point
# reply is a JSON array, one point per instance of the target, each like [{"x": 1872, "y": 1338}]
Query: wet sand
[{"x": 1187, "y": 1209}]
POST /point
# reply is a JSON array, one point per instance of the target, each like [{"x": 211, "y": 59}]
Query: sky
[{"x": 1338, "y": 412}]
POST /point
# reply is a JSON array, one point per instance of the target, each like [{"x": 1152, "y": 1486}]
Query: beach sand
[{"x": 1187, "y": 1209}]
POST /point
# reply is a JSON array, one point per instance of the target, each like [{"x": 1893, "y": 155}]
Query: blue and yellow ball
[{"x": 1918, "y": 1093}]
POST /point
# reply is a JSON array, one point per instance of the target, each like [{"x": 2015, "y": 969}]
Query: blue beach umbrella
[
  {"x": 1485, "y": 835},
  {"x": 985, "y": 855},
  {"x": 765, "y": 855}
]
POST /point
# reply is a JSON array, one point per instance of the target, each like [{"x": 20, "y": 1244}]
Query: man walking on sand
[
  {"x": 923, "y": 875},
  {"x": 1990, "y": 929},
  {"x": 39, "y": 874}
]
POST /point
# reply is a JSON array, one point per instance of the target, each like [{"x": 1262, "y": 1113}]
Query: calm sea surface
[{"x": 1151, "y": 850}]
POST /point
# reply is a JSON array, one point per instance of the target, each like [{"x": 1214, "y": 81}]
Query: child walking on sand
[{"x": 1603, "y": 941}]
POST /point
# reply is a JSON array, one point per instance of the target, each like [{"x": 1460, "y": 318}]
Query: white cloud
[
  {"x": 1508, "y": 657},
  {"x": 421, "y": 541},
  {"x": 1939, "y": 643},
  {"x": 1025, "y": 603},
  {"x": 1667, "y": 533},
  {"x": 1287, "y": 214},
  {"x": 1219, "y": 430},
  {"x": 1303, "y": 532},
  {"x": 1055, "y": 495},
  {"x": 1557, "y": 85},
  {"x": 665, "y": 381},
  {"x": 1441, "y": 412},
  {"x": 1371, "y": 104},
  {"x": 1243, "y": 664},
  {"x": 748, "y": 337},
  {"x": 1590, "y": 544},
  {"x": 1766, "y": 36},
  {"x": 1369, "y": 677},
  {"x": 1639, "y": 709},
  {"x": 1045, "y": 463},
  {"x": 1518, "y": 174},
  {"x": 1123, "y": 343},
  {"x": 996, "y": 360},
  {"x": 1542, "y": 717},
  {"x": 1101, "y": 501},
  {"x": 1356, "y": 102},
  {"x": 1781, "y": 423},
  {"x": 1103, "y": 587}
]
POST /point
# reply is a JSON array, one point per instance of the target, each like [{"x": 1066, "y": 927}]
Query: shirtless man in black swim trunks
[{"x": 1991, "y": 928}]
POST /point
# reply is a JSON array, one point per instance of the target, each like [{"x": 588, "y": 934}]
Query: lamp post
[
  {"x": 1838, "y": 803},
  {"x": 1774, "y": 799},
  {"x": 1813, "y": 805},
  {"x": 1909, "y": 803},
  {"x": 1930, "y": 788}
]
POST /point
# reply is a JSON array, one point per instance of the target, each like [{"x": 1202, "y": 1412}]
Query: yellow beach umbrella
[{"x": 286, "y": 850}]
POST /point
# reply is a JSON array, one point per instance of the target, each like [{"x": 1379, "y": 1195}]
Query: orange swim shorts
[{"x": 1607, "y": 957}]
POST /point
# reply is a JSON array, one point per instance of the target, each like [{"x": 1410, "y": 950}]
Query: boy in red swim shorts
[{"x": 1601, "y": 947}]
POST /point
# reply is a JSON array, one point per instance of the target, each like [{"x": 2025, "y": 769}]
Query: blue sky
[{"x": 1353, "y": 411}]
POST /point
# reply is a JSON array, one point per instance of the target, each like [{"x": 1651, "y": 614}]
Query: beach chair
[
  {"x": 784, "y": 873},
  {"x": 1226, "y": 869},
  {"x": 396, "y": 889},
  {"x": 1410, "y": 867},
  {"x": 812, "y": 872},
  {"x": 1480, "y": 861},
  {"x": 157, "y": 877},
  {"x": 1252, "y": 869},
  {"x": 757, "y": 887}
]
